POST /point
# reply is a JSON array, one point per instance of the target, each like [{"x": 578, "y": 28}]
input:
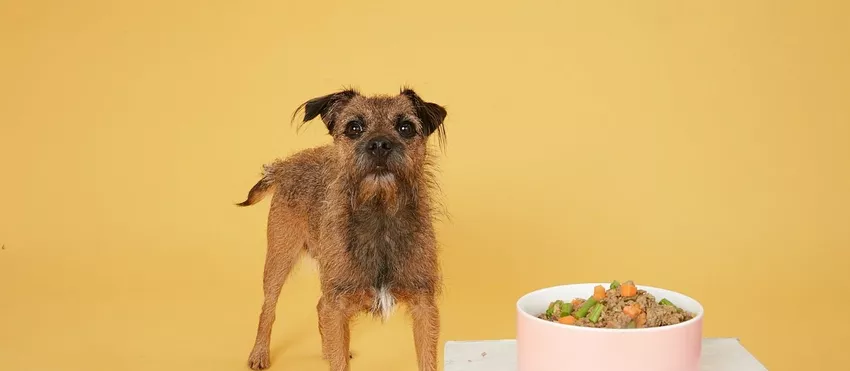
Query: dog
[{"x": 361, "y": 207}]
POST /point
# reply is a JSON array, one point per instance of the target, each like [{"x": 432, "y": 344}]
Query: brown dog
[{"x": 361, "y": 207}]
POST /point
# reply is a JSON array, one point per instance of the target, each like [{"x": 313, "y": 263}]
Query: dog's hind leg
[{"x": 287, "y": 235}]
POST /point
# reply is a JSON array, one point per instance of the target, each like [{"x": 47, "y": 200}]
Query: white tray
[{"x": 718, "y": 354}]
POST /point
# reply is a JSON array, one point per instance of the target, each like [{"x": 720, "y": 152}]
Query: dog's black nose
[{"x": 380, "y": 147}]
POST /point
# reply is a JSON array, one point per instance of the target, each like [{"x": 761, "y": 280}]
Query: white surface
[{"x": 721, "y": 354}]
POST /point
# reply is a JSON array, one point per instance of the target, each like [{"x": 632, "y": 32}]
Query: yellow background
[{"x": 703, "y": 148}]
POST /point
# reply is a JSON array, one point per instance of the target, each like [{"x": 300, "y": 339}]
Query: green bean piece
[
  {"x": 551, "y": 309},
  {"x": 582, "y": 311},
  {"x": 614, "y": 285},
  {"x": 560, "y": 305},
  {"x": 631, "y": 324},
  {"x": 596, "y": 312},
  {"x": 566, "y": 309},
  {"x": 667, "y": 302}
]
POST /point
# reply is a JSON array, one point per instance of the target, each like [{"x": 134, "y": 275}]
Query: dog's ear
[
  {"x": 325, "y": 107},
  {"x": 430, "y": 114}
]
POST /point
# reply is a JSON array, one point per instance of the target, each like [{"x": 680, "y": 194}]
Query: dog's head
[{"x": 381, "y": 140}]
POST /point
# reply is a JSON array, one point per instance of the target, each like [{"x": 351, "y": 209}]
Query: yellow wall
[{"x": 662, "y": 142}]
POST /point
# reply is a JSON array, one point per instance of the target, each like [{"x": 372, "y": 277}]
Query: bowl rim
[{"x": 696, "y": 320}]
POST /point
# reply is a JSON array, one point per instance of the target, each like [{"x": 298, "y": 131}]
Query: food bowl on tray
[{"x": 614, "y": 326}]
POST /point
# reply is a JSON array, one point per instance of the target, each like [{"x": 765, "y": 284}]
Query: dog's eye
[
  {"x": 406, "y": 129},
  {"x": 353, "y": 129}
]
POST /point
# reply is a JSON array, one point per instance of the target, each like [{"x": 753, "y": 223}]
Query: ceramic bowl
[{"x": 550, "y": 346}]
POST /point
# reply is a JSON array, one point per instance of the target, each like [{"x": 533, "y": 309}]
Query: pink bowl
[{"x": 549, "y": 346}]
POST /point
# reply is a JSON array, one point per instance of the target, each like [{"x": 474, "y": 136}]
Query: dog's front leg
[
  {"x": 426, "y": 331},
  {"x": 335, "y": 313}
]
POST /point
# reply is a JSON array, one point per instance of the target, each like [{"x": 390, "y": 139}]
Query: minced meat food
[{"x": 620, "y": 306}]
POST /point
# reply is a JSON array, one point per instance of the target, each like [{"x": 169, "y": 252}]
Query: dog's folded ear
[
  {"x": 430, "y": 114},
  {"x": 325, "y": 106}
]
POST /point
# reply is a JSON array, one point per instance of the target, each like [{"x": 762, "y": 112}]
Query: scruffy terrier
[{"x": 362, "y": 208}]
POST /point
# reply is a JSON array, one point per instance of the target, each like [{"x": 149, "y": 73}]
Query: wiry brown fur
[{"x": 368, "y": 227}]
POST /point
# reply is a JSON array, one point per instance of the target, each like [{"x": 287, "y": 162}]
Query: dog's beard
[{"x": 381, "y": 187}]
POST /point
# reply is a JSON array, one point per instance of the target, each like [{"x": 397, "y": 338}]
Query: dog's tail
[{"x": 264, "y": 186}]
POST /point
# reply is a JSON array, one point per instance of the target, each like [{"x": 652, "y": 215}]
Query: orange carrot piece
[
  {"x": 631, "y": 310},
  {"x": 576, "y": 302},
  {"x": 641, "y": 320},
  {"x": 599, "y": 292},
  {"x": 628, "y": 290},
  {"x": 568, "y": 320}
]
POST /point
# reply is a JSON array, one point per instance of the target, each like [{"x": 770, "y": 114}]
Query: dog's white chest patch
[{"x": 384, "y": 303}]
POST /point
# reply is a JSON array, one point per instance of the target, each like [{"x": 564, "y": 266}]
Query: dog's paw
[{"x": 259, "y": 360}]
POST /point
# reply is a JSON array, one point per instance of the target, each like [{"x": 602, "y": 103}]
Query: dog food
[{"x": 620, "y": 306}]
